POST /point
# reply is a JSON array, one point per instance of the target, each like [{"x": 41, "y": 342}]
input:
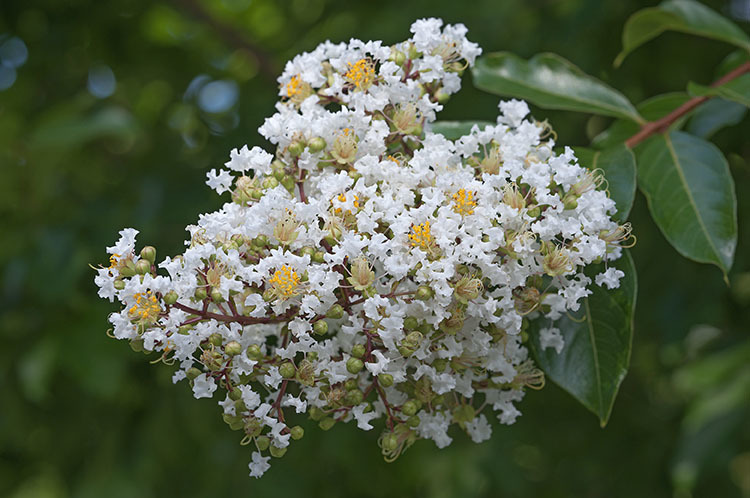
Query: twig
[{"x": 664, "y": 123}]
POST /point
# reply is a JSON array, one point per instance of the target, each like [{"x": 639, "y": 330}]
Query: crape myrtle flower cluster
[{"x": 370, "y": 270}]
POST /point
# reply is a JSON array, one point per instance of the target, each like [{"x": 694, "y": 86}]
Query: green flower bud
[
  {"x": 270, "y": 183},
  {"x": 216, "y": 296},
  {"x": 260, "y": 241},
  {"x": 192, "y": 373},
  {"x": 296, "y": 148},
  {"x": 319, "y": 257},
  {"x": 440, "y": 364},
  {"x": 315, "y": 413},
  {"x": 534, "y": 212},
  {"x": 307, "y": 251},
  {"x": 424, "y": 292},
  {"x": 390, "y": 442},
  {"x": 235, "y": 394},
  {"x": 277, "y": 452},
  {"x": 385, "y": 380},
  {"x": 233, "y": 348},
  {"x": 149, "y": 254},
  {"x": 136, "y": 345},
  {"x": 253, "y": 352},
  {"x": 320, "y": 327},
  {"x": 297, "y": 432},
  {"x": 409, "y": 408},
  {"x": 413, "y": 421},
  {"x": 326, "y": 423},
  {"x": 142, "y": 267},
  {"x": 200, "y": 294},
  {"x": 358, "y": 350},
  {"x": 262, "y": 442},
  {"x": 127, "y": 271},
  {"x": 316, "y": 144},
  {"x": 119, "y": 284},
  {"x": 354, "y": 397},
  {"x": 354, "y": 365},
  {"x": 170, "y": 298},
  {"x": 411, "y": 323},
  {"x": 336, "y": 311},
  {"x": 351, "y": 384},
  {"x": 288, "y": 183},
  {"x": 216, "y": 339},
  {"x": 287, "y": 370}
]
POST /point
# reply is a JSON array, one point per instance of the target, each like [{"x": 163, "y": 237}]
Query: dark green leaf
[
  {"x": 453, "y": 130},
  {"x": 651, "y": 109},
  {"x": 551, "y": 82},
  {"x": 598, "y": 339},
  {"x": 618, "y": 165},
  {"x": 736, "y": 90},
  {"x": 690, "y": 193},
  {"x": 713, "y": 115},
  {"x": 686, "y": 16}
]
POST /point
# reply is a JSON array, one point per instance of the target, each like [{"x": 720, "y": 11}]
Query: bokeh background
[{"x": 110, "y": 114}]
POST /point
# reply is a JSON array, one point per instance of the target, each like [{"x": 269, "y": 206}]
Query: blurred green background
[{"x": 110, "y": 114}]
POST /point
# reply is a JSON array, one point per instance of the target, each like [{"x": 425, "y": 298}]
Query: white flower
[
  {"x": 609, "y": 278},
  {"x": 551, "y": 337},
  {"x": 204, "y": 386},
  {"x": 221, "y": 181},
  {"x": 259, "y": 465}
]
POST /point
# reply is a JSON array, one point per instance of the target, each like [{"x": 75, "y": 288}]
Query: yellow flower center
[
  {"x": 113, "y": 261},
  {"x": 463, "y": 202},
  {"x": 285, "y": 281},
  {"x": 421, "y": 236},
  {"x": 294, "y": 86},
  {"x": 342, "y": 198},
  {"x": 361, "y": 73},
  {"x": 146, "y": 307}
]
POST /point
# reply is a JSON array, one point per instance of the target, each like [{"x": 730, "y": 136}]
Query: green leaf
[
  {"x": 736, "y": 90},
  {"x": 453, "y": 130},
  {"x": 713, "y": 115},
  {"x": 685, "y": 16},
  {"x": 690, "y": 193},
  {"x": 618, "y": 165},
  {"x": 651, "y": 109},
  {"x": 598, "y": 340},
  {"x": 551, "y": 82}
]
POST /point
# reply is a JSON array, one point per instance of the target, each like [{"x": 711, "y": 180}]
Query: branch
[
  {"x": 231, "y": 36},
  {"x": 664, "y": 123}
]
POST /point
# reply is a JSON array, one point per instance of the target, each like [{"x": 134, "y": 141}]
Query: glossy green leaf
[
  {"x": 651, "y": 109},
  {"x": 551, "y": 82},
  {"x": 618, "y": 165},
  {"x": 598, "y": 340},
  {"x": 453, "y": 130},
  {"x": 690, "y": 193},
  {"x": 737, "y": 90},
  {"x": 686, "y": 16},
  {"x": 713, "y": 115}
]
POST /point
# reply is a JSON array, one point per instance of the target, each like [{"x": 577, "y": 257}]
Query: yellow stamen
[
  {"x": 463, "y": 202},
  {"x": 285, "y": 282},
  {"x": 293, "y": 87},
  {"x": 421, "y": 236},
  {"x": 361, "y": 73},
  {"x": 146, "y": 308}
]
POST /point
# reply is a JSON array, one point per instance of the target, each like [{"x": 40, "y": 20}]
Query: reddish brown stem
[{"x": 661, "y": 125}]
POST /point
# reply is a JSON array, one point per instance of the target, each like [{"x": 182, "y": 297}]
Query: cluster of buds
[{"x": 370, "y": 269}]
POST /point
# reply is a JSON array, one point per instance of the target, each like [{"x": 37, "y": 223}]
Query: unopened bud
[
  {"x": 336, "y": 311},
  {"x": 262, "y": 442},
  {"x": 192, "y": 373},
  {"x": 320, "y": 327},
  {"x": 149, "y": 254},
  {"x": 316, "y": 144},
  {"x": 358, "y": 350},
  {"x": 424, "y": 292},
  {"x": 142, "y": 267},
  {"x": 253, "y": 352},
  {"x": 287, "y": 370},
  {"x": 354, "y": 365},
  {"x": 326, "y": 423},
  {"x": 233, "y": 348},
  {"x": 170, "y": 298},
  {"x": 296, "y": 148},
  {"x": 216, "y": 339},
  {"x": 119, "y": 284},
  {"x": 385, "y": 380},
  {"x": 297, "y": 432}
]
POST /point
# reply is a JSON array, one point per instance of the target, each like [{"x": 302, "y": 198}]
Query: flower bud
[
  {"x": 385, "y": 380},
  {"x": 200, "y": 294},
  {"x": 315, "y": 413},
  {"x": 424, "y": 292},
  {"x": 233, "y": 348},
  {"x": 269, "y": 183},
  {"x": 320, "y": 327},
  {"x": 319, "y": 257},
  {"x": 335, "y": 312},
  {"x": 192, "y": 373},
  {"x": 262, "y": 442},
  {"x": 358, "y": 350},
  {"x": 260, "y": 241},
  {"x": 413, "y": 421},
  {"x": 235, "y": 394},
  {"x": 411, "y": 323},
  {"x": 149, "y": 254},
  {"x": 142, "y": 267},
  {"x": 216, "y": 296},
  {"x": 326, "y": 423},
  {"x": 316, "y": 144},
  {"x": 390, "y": 442},
  {"x": 354, "y": 397},
  {"x": 297, "y": 432},
  {"x": 253, "y": 352},
  {"x": 296, "y": 148},
  {"x": 277, "y": 452},
  {"x": 409, "y": 408},
  {"x": 119, "y": 284},
  {"x": 170, "y": 298},
  {"x": 287, "y": 370},
  {"x": 354, "y": 365},
  {"x": 288, "y": 183}
]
